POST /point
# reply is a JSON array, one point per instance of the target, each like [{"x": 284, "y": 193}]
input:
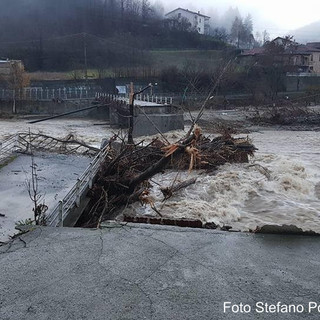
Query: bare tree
[
  {"x": 39, "y": 208},
  {"x": 17, "y": 80}
]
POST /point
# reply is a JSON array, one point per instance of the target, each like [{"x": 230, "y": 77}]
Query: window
[
  {"x": 311, "y": 57},
  {"x": 200, "y": 20},
  {"x": 179, "y": 15}
]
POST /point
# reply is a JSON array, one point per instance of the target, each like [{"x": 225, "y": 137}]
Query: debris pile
[
  {"x": 124, "y": 175},
  {"x": 293, "y": 114}
]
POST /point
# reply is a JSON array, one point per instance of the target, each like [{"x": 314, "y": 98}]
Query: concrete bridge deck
[{"x": 155, "y": 272}]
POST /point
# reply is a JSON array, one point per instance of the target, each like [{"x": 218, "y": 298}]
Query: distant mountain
[{"x": 308, "y": 33}]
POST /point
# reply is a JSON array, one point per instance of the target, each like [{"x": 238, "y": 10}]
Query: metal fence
[
  {"x": 40, "y": 94},
  {"x": 140, "y": 97},
  {"x": 48, "y": 94}
]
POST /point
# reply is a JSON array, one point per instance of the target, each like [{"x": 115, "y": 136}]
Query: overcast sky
[{"x": 277, "y": 16}]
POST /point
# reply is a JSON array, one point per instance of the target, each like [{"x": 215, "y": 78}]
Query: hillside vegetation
[
  {"x": 68, "y": 35},
  {"x": 179, "y": 58}
]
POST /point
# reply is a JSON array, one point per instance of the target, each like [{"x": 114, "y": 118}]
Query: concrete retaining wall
[
  {"x": 301, "y": 83},
  {"x": 164, "y": 122},
  {"x": 53, "y": 108}
]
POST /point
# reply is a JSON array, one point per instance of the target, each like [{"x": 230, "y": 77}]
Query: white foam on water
[{"x": 278, "y": 186}]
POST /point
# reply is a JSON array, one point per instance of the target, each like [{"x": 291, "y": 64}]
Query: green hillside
[{"x": 179, "y": 58}]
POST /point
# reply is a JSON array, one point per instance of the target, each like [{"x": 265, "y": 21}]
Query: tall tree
[{"x": 237, "y": 30}]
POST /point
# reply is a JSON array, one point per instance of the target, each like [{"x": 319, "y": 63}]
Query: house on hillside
[
  {"x": 307, "y": 58},
  {"x": 284, "y": 42},
  {"x": 196, "y": 20},
  {"x": 301, "y": 62},
  {"x": 298, "y": 58}
]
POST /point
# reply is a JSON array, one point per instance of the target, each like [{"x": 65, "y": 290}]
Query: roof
[
  {"x": 301, "y": 49},
  {"x": 186, "y": 10},
  {"x": 278, "y": 38},
  {"x": 314, "y": 44},
  {"x": 292, "y": 49}
]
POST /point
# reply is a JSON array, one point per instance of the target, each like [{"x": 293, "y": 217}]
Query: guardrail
[{"x": 56, "y": 217}]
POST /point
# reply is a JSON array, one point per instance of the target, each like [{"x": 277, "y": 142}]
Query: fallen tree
[
  {"x": 66, "y": 145},
  {"x": 124, "y": 176}
]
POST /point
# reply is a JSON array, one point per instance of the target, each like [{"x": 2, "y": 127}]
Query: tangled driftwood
[
  {"x": 124, "y": 176},
  {"x": 42, "y": 142}
]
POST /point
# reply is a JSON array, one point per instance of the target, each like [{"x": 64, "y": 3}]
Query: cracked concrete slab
[{"x": 154, "y": 272}]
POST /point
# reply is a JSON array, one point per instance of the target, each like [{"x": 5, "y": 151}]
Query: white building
[
  {"x": 6, "y": 66},
  {"x": 198, "y": 21}
]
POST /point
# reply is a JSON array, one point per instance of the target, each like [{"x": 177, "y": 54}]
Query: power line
[
  {"x": 38, "y": 40},
  {"x": 74, "y": 35}
]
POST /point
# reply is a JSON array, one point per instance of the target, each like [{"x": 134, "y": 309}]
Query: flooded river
[{"x": 280, "y": 185}]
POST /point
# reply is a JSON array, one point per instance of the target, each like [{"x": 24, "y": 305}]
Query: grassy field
[
  {"x": 68, "y": 75},
  {"x": 179, "y": 58},
  {"x": 160, "y": 59}
]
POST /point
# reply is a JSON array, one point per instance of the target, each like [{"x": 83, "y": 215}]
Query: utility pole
[
  {"x": 131, "y": 104},
  {"x": 85, "y": 56}
]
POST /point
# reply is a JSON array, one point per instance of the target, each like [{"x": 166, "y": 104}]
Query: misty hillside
[
  {"x": 54, "y": 34},
  {"x": 308, "y": 33}
]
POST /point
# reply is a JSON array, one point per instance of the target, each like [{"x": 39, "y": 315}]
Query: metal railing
[
  {"x": 62, "y": 94},
  {"x": 139, "y": 97},
  {"x": 40, "y": 94},
  {"x": 72, "y": 199}
]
